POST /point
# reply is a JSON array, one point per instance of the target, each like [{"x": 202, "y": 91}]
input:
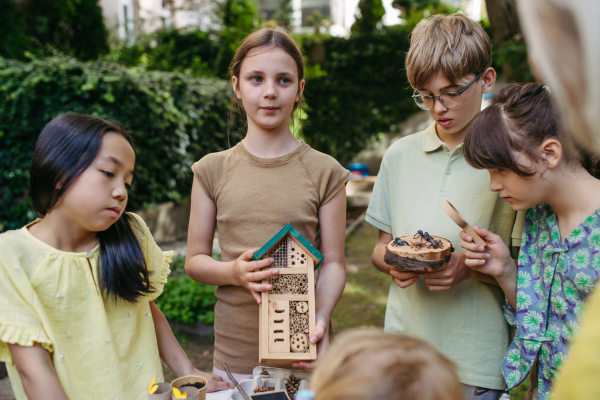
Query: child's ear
[
  {"x": 300, "y": 90},
  {"x": 236, "y": 87},
  {"x": 489, "y": 79},
  {"x": 551, "y": 150}
]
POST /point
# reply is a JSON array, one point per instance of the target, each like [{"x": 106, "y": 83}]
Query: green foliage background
[
  {"x": 175, "y": 119},
  {"x": 360, "y": 90},
  {"x": 73, "y": 27},
  {"x": 191, "y": 52},
  {"x": 184, "y": 299},
  {"x": 371, "y": 13}
]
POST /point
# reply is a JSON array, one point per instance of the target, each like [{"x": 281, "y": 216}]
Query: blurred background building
[{"x": 129, "y": 17}]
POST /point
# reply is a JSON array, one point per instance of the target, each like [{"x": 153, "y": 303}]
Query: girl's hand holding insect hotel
[{"x": 252, "y": 190}]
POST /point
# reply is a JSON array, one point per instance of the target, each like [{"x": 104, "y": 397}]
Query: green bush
[
  {"x": 239, "y": 19},
  {"x": 175, "y": 118},
  {"x": 361, "y": 92},
  {"x": 370, "y": 14},
  {"x": 510, "y": 57},
  {"x": 185, "y": 300},
  {"x": 192, "y": 52},
  {"x": 12, "y": 31},
  {"x": 73, "y": 27}
]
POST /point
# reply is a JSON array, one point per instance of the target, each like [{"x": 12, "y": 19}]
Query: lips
[
  {"x": 114, "y": 210},
  {"x": 270, "y": 110},
  {"x": 445, "y": 122}
]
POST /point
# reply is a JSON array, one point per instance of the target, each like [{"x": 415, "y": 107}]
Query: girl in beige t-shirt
[{"x": 252, "y": 190}]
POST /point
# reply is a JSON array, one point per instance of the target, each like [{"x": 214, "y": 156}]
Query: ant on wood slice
[
  {"x": 399, "y": 242},
  {"x": 435, "y": 244},
  {"x": 426, "y": 236},
  {"x": 418, "y": 245}
]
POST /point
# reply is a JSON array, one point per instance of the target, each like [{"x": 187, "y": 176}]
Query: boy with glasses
[{"x": 455, "y": 308}]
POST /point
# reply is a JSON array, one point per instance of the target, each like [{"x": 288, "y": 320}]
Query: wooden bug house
[{"x": 287, "y": 312}]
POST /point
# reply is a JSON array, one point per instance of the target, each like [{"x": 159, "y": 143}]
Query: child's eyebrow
[{"x": 257, "y": 72}]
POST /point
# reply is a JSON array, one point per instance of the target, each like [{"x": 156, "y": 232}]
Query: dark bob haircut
[
  {"x": 519, "y": 120},
  {"x": 65, "y": 148}
]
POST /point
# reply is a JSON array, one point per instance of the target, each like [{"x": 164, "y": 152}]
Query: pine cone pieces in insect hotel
[{"x": 287, "y": 312}]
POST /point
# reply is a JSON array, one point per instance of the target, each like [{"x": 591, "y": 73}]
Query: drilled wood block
[{"x": 279, "y": 326}]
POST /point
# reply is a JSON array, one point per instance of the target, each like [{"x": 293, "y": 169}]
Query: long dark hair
[
  {"x": 65, "y": 148},
  {"x": 519, "y": 119}
]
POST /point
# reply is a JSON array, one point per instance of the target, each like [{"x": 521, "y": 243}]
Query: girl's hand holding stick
[{"x": 494, "y": 260}]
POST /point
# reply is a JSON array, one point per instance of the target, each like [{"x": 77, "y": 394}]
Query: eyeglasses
[{"x": 448, "y": 99}]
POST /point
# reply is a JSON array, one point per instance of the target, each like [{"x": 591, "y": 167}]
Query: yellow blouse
[{"x": 101, "y": 348}]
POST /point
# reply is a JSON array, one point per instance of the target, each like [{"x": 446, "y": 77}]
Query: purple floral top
[{"x": 553, "y": 280}]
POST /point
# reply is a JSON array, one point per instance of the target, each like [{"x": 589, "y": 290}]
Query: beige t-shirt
[{"x": 255, "y": 197}]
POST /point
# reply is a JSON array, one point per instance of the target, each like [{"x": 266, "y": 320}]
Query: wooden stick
[
  {"x": 460, "y": 221},
  {"x": 237, "y": 385}
]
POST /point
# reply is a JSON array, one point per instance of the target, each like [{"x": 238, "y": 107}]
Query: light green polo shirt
[{"x": 466, "y": 323}]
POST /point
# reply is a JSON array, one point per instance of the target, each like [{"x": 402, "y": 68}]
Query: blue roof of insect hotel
[{"x": 310, "y": 249}]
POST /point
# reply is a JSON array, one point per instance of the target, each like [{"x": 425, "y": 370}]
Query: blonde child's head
[
  {"x": 562, "y": 37},
  {"x": 272, "y": 53},
  {"x": 370, "y": 364},
  {"x": 454, "y": 45},
  {"x": 448, "y": 65}
]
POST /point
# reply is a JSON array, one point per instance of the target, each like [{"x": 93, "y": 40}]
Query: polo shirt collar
[{"x": 431, "y": 141}]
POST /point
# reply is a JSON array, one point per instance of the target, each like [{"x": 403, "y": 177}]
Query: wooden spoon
[{"x": 460, "y": 221}]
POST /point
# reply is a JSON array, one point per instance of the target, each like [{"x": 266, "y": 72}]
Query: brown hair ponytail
[{"x": 519, "y": 119}]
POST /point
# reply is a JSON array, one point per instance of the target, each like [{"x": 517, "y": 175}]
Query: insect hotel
[{"x": 287, "y": 312}]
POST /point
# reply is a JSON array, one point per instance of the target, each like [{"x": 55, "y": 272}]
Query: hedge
[
  {"x": 184, "y": 299},
  {"x": 175, "y": 119},
  {"x": 362, "y": 90}
]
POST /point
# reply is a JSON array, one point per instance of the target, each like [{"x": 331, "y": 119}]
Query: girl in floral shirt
[{"x": 535, "y": 166}]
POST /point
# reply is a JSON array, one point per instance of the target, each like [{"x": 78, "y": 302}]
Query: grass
[
  {"x": 365, "y": 297},
  {"x": 362, "y": 305}
]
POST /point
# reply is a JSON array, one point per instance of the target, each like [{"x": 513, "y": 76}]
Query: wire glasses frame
[{"x": 448, "y": 99}]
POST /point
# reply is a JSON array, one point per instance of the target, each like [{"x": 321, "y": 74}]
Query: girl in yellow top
[{"x": 77, "y": 317}]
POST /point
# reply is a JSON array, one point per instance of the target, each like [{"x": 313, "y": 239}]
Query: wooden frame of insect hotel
[{"x": 287, "y": 312}]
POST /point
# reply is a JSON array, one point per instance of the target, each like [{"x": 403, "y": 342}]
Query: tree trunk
[{"x": 504, "y": 20}]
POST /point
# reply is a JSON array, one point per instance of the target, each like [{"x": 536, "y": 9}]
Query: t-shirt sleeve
[
  {"x": 378, "y": 212},
  {"x": 157, "y": 261},
  {"x": 201, "y": 170},
  {"x": 327, "y": 174},
  {"x": 337, "y": 180},
  {"x": 19, "y": 323}
]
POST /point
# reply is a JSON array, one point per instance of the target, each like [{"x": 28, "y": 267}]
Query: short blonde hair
[
  {"x": 370, "y": 364},
  {"x": 455, "y": 45},
  {"x": 562, "y": 37}
]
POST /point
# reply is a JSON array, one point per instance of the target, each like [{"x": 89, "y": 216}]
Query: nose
[
  {"x": 495, "y": 186},
  {"x": 120, "y": 192},
  {"x": 270, "y": 91},
  {"x": 439, "y": 107}
]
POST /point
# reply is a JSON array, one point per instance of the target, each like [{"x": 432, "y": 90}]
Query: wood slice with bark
[{"x": 418, "y": 257}]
